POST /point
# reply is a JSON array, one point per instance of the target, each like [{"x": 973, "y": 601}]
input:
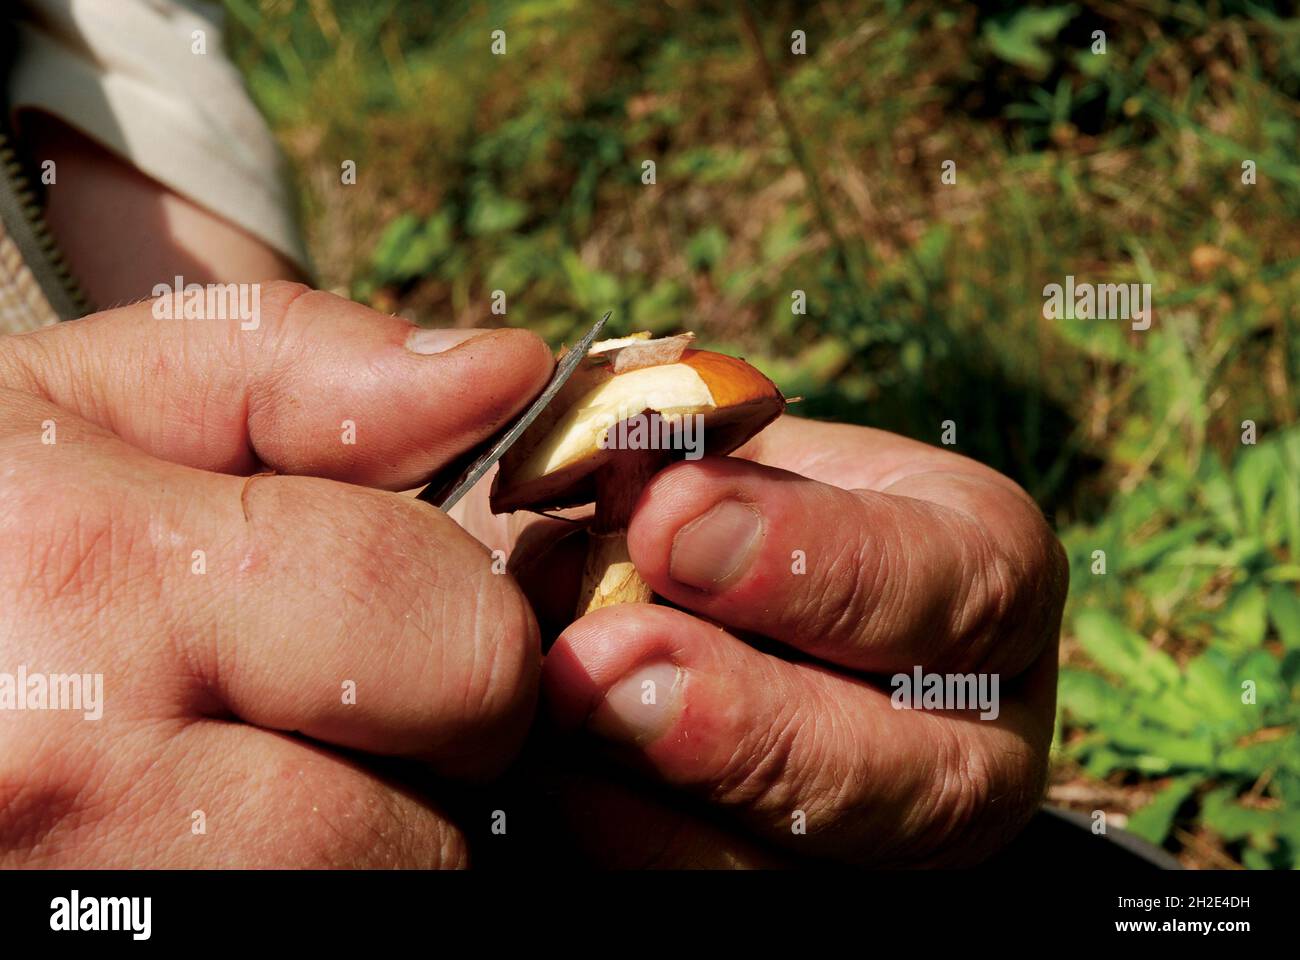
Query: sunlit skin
[
  {"x": 318, "y": 574},
  {"x": 914, "y": 556},
  {"x": 312, "y": 581},
  {"x": 156, "y": 234},
  {"x": 308, "y": 586}
]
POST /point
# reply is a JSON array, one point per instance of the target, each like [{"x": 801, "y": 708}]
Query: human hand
[
  {"x": 231, "y": 615},
  {"x": 914, "y": 557}
]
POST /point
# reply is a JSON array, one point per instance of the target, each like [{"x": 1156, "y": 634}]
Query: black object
[{"x": 1061, "y": 839}]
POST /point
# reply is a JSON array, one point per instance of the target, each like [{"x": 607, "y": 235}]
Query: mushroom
[{"x": 633, "y": 406}]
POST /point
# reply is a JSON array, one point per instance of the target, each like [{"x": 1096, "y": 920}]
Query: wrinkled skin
[
  {"x": 224, "y": 690},
  {"x": 933, "y": 560},
  {"x": 913, "y": 556}
]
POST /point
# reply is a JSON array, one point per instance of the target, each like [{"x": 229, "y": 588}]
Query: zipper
[{"x": 20, "y": 212}]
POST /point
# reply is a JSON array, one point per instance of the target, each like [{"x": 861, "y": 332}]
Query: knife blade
[{"x": 470, "y": 469}]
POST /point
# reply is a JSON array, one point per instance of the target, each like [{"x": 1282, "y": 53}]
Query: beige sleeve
[{"x": 128, "y": 74}]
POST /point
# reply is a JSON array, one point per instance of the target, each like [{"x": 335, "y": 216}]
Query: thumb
[{"x": 316, "y": 385}]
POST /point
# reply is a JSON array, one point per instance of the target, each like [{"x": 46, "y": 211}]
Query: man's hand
[
  {"x": 246, "y": 626},
  {"x": 843, "y": 556}
]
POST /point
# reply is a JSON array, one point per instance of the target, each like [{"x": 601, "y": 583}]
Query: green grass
[{"x": 523, "y": 173}]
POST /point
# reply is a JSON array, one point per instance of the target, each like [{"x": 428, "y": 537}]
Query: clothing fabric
[{"x": 148, "y": 80}]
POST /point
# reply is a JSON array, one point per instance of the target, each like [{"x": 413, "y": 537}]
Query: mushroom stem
[{"x": 608, "y": 577}]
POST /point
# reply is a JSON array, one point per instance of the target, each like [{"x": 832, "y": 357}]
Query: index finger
[{"x": 314, "y": 385}]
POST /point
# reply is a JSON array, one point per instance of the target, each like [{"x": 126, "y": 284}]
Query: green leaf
[
  {"x": 1108, "y": 643},
  {"x": 1089, "y": 699},
  {"x": 1170, "y": 709},
  {"x": 593, "y": 289},
  {"x": 391, "y": 247},
  {"x": 491, "y": 213},
  {"x": 1254, "y": 475},
  {"x": 706, "y": 248},
  {"x": 1157, "y": 751},
  {"x": 1153, "y": 548},
  {"x": 1090, "y": 64},
  {"x": 1216, "y": 493},
  {"x": 1225, "y": 816},
  {"x": 1252, "y": 760},
  {"x": 1284, "y": 612},
  {"x": 1291, "y": 668},
  {"x": 659, "y": 309},
  {"x": 1245, "y": 618},
  {"x": 1121, "y": 652},
  {"x": 1255, "y": 860},
  {"x": 1288, "y": 447},
  {"x": 1020, "y": 39},
  {"x": 1266, "y": 670},
  {"x": 1153, "y": 821},
  {"x": 1103, "y": 761},
  {"x": 410, "y": 248},
  {"x": 1211, "y": 687},
  {"x": 708, "y": 164},
  {"x": 522, "y": 261}
]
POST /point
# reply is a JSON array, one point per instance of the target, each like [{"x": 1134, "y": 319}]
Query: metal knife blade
[{"x": 444, "y": 494}]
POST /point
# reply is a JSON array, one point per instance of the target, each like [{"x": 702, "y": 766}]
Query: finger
[
  {"x": 212, "y": 795},
  {"x": 354, "y": 616},
  {"x": 821, "y": 764},
  {"x": 546, "y": 553},
  {"x": 941, "y": 570},
  {"x": 547, "y": 564},
  {"x": 852, "y": 457},
  {"x": 297, "y": 806},
  {"x": 320, "y": 386}
]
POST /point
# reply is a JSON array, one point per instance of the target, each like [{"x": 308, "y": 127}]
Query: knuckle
[
  {"x": 964, "y": 789},
  {"x": 501, "y": 680},
  {"x": 497, "y": 659},
  {"x": 853, "y": 588},
  {"x": 985, "y": 791},
  {"x": 998, "y": 587},
  {"x": 1016, "y": 592},
  {"x": 760, "y": 773},
  {"x": 835, "y": 785},
  {"x": 281, "y": 318},
  {"x": 509, "y": 633},
  {"x": 434, "y": 615},
  {"x": 278, "y": 296},
  {"x": 958, "y": 794}
]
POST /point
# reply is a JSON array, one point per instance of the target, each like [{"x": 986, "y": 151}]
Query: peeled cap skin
[{"x": 553, "y": 463}]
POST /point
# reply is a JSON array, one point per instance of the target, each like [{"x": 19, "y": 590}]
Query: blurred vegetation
[{"x": 821, "y": 172}]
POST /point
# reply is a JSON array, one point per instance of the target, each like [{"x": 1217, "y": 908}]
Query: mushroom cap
[{"x": 553, "y": 464}]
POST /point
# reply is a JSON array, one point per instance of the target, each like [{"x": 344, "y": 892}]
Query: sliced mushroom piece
[{"x": 633, "y": 407}]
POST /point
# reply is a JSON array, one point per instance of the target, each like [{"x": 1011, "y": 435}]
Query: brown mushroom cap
[{"x": 553, "y": 463}]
